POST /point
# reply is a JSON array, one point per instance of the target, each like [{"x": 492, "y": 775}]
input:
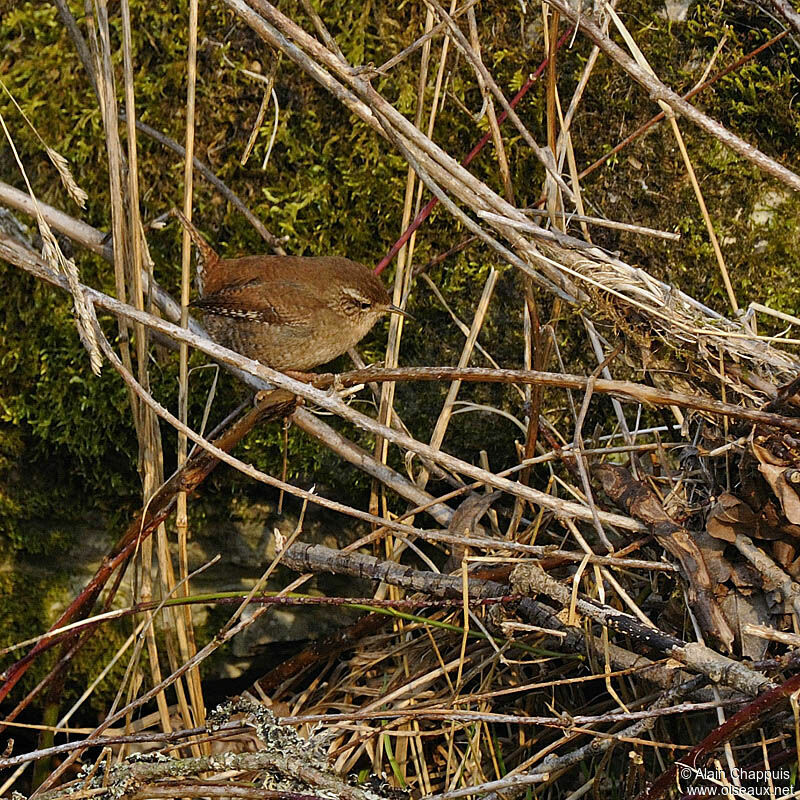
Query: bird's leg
[
  {"x": 305, "y": 377},
  {"x": 263, "y": 395}
]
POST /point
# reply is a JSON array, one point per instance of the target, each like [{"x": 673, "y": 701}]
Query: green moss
[
  {"x": 31, "y": 594},
  {"x": 332, "y": 185}
]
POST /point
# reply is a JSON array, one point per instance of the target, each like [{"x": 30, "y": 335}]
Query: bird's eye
[{"x": 366, "y": 305}]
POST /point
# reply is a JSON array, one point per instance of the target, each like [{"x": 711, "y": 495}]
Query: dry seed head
[
  {"x": 62, "y": 166},
  {"x": 84, "y": 311}
]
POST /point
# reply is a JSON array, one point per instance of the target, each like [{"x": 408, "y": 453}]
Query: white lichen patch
[{"x": 767, "y": 206}]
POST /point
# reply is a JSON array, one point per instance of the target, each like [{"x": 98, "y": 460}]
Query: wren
[{"x": 288, "y": 312}]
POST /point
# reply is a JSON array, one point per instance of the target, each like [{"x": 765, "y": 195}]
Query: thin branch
[
  {"x": 622, "y": 390},
  {"x": 530, "y": 579},
  {"x": 786, "y": 10},
  {"x": 658, "y": 91},
  {"x": 741, "y": 722},
  {"x": 642, "y": 129},
  {"x": 205, "y": 171},
  {"x": 160, "y": 505}
]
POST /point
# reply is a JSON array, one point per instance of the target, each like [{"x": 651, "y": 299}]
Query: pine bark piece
[{"x": 642, "y": 503}]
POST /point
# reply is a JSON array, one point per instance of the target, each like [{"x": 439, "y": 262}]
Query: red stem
[
  {"x": 741, "y": 721},
  {"x": 425, "y": 213}
]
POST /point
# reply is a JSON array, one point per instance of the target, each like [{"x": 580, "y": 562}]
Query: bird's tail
[{"x": 207, "y": 256}]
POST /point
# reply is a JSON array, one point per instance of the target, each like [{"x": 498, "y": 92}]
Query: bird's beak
[{"x": 393, "y": 309}]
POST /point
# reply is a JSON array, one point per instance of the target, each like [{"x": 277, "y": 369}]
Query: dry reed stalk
[
  {"x": 54, "y": 256},
  {"x": 659, "y": 92},
  {"x": 404, "y": 257},
  {"x": 126, "y": 227},
  {"x": 642, "y": 62},
  {"x": 185, "y": 627}
]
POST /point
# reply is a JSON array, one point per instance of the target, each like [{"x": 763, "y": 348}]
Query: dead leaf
[
  {"x": 719, "y": 568},
  {"x": 773, "y": 523},
  {"x": 720, "y": 531},
  {"x": 765, "y": 455},
  {"x": 778, "y": 477},
  {"x": 729, "y": 516},
  {"x": 466, "y": 522},
  {"x": 790, "y": 502},
  {"x": 784, "y": 553},
  {"x": 742, "y": 610},
  {"x": 745, "y": 577},
  {"x": 642, "y": 503}
]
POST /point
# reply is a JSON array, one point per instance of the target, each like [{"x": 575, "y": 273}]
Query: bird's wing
[{"x": 274, "y": 302}]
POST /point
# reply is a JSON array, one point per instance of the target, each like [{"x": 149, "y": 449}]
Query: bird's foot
[{"x": 305, "y": 377}]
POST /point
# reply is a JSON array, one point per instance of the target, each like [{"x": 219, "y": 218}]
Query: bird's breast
[{"x": 299, "y": 346}]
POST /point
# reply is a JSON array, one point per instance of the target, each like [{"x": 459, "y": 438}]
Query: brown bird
[{"x": 288, "y": 312}]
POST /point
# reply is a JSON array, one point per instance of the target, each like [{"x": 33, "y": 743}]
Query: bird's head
[{"x": 365, "y": 298}]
